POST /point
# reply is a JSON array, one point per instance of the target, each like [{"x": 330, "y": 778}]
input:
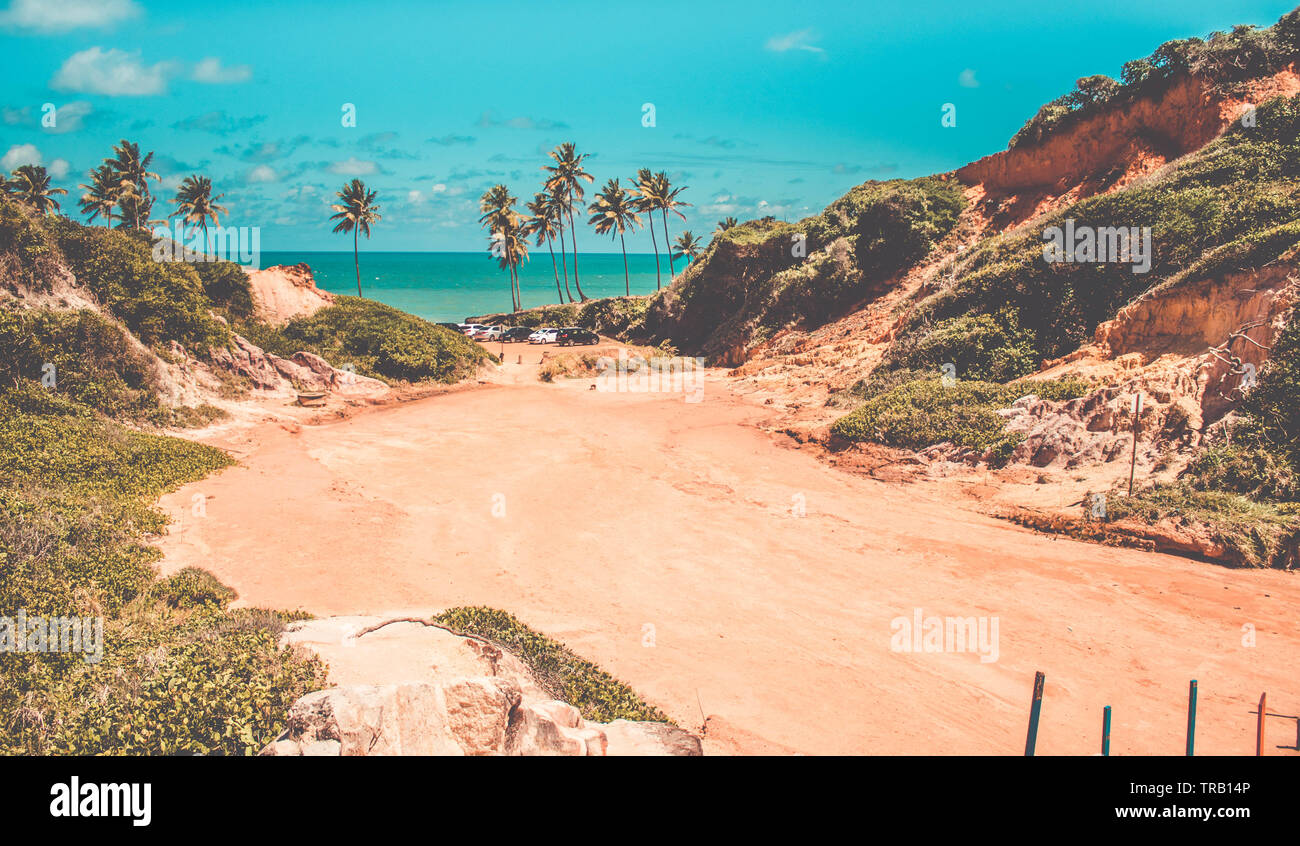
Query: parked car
[
  {"x": 544, "y": 335},
  {"x": 489, "y": 333},
  {"x": 470, "y": 328},
  {"x": 455, "y": 327},
  {"x": 517, "y": 333},
  {"x": 575, "y": 335}
]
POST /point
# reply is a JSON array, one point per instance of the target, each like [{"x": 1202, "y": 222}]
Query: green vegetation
[
  {"x": 1231, "y": 206},
  {"x": 598, "y": 695},
  {"x": 378, "y": 340},
  {"x": 615, "y": 316},
  {"x": 1255, "y": 534},
  {"x": 179, "y": 673},
  {"x": 921, "y": 412},
  {"x": 761, "y": 276},
  {"x": 1224, "y": 59}
]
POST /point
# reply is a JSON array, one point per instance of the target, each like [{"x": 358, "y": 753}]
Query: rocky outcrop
[
  {"x": 281, "y": 293},
  {"x": 443, "y": 694},
  {"x": 303, "y": 370}
]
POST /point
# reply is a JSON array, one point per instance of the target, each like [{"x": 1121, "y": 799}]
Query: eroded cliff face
[
  {"x": 282, "y": 293},
  {"x": 1113, "y": 148}
]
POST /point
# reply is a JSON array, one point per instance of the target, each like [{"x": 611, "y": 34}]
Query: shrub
[
  {"x": 378, "y": 340},
  {"x": 193, "y": 587},
  {"x": 598, "y": 695}
]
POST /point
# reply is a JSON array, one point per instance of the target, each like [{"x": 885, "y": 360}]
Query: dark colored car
[
  {"x": 574, "y": 335},
  {"x": 455, "y": 327},
  {"x": 517, "y": 333}
]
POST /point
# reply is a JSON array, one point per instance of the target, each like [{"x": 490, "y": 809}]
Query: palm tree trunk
[
  {"x": 573, "y": 234},
  {"x": 671, "y": 271},
  {"x": 555, "y": 268},
  {"x": 655, "y": 241},
  {"x": 206, "y": 257},
  {"x": 564, "y": 260},
  {"x": 627, "y": 282},
  {"x": 514, "y": 286},
  {"x": 356, "y": 258}
]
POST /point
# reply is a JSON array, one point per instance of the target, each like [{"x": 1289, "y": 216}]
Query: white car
[
  {"x": 544, "y": 335},
  {"x": 471, "y": 329},
  {"x": 490, "y": 333}
]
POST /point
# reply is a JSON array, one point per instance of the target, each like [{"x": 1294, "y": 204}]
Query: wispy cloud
[
  {"x": 218, "y": 123},
  {"x": 47, "y": 16},
  {"x": 797, "y": 40},
  {"x": 449, "y": 140},
  {"x": 967, "y": 79},
  {"x": 212, "y": 72},
  {"x": 489, "y": 121}
]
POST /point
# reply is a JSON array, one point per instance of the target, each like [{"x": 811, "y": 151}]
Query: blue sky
[{"x": 760, "y": 108}]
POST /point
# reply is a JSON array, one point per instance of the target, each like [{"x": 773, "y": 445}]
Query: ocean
[{"x": 453, "y": 286}]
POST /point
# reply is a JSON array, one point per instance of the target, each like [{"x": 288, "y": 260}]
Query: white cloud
[
  {"x": 439, "y": 188},
  {"x": 967, "y": 79},
  {"x": 414, "y": 197},
  {"x": 353, "y": 167},
  {"x": 211, "y": 71},
  {"x": 20, "y": 154},
  {"x": 798, "y": 40},
  {"x": 63, "y": 15},
  {"x": 59, "y": 168},
  {"x": 112, "y": 72},
  {"x": 262, "y": 173}
]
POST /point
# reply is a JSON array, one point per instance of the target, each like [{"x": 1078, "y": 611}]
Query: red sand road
[{"x": 623, "y": 511}]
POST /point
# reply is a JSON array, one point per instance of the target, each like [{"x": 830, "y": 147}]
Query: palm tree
[
  {"x": 31, "y": 185},
  {"x": 513, "y": 251},
  {"x": 131, "y": 170},
  {"x": 195, "y": 203},
  {"x": 644, "y": 187},
  {"x": 556, "y": 206},
  {"x": 665, "y": 197},
  {"x": 542, "y": 224},
  {"x": 101, "y": 195},
  {"x": 567, "y": 175},
  {"x": 724, "y": 224},
  {"x": 500, "y": 219},
  {"x": 355, "y": 214},
  {"x": 687, "y": 245},
  {"x": 615, "y": 211}
]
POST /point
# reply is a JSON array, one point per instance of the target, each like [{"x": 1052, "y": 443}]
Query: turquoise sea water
[{"x": 453, "y": 286}]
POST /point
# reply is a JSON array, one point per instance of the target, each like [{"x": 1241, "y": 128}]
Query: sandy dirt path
[{"x": 594, "y": 516}]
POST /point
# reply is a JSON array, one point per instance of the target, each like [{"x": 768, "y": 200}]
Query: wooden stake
[
  {"x": 1259, "y": 726},
  {"x": 1191, "y": 719},
  {"x": 1034, "y": 708},
  {"x": 1105, "y": 731}
]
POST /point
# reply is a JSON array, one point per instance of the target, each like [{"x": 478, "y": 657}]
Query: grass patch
[{"x": 598, "y": 695}]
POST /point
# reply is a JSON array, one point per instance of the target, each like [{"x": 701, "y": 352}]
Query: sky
[{"x": 758, "y": 107}]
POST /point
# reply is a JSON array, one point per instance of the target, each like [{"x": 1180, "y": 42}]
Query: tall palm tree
[
  {"x": 567, "y": 175},
  {"x": 542, "y": 224},
  {"x": 500, "y": 219},
  {"x": 131, "y": 169},
  {"x": 686, "y": 245},
  {"x": 725, "y": 224},
  {"x": 31, "y": 185},
  {"x": 666, "y": 201},
  {"x": 355, "y": 213},
  {"x": 644, "y": 189},
  {"x": 101, "y": 195},
  {"x": 556, "y": 206},
  {"x": 614, "y": 211},
  {"x": 514, "y": 251},
  {"x": 195, "y": 203}
]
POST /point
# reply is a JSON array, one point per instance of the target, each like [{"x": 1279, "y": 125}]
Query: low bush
[{"x": 598, "y": 695}]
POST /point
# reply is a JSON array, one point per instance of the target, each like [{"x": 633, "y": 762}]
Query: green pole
[
  {"x": 1105, "y": 732},
  {"x": 1191, "y": 719},
  {"x": 1034, "y": 709}
]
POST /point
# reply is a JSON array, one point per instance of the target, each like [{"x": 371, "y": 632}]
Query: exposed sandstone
[{"x": 281, "y": 293}]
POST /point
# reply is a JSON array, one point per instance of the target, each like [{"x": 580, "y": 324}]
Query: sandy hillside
[{"x": 615, "y": 513}]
